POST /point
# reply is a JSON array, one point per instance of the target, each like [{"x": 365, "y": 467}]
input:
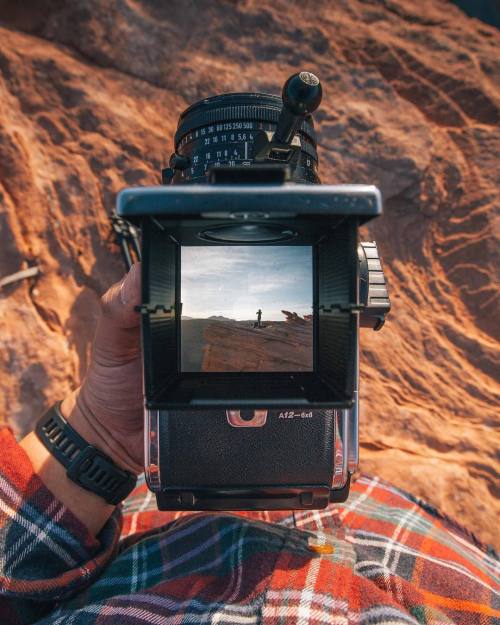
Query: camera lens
[{"x": 223, "y": 131}]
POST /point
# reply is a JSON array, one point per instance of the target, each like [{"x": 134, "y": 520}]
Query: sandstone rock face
[
  {"x": 276, "y": 346},
  {"x": 90, "y": 92},
  {"x": 293, "y": 317}
]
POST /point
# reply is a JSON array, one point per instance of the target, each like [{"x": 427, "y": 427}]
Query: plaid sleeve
[{"x": 47, "y": 554}]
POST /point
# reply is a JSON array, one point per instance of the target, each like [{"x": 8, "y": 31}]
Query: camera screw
[{"x": 178, "y": 161}]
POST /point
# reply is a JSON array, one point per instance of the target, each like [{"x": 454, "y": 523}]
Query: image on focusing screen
[{"x": 246, "y": 308}]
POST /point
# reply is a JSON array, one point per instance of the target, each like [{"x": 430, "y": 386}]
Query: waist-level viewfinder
[{"x": 254, "y": 286}]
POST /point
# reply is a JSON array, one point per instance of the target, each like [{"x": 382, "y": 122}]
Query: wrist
[
  {"x": 88, "y": 507},
  {"x": 77, "y": 413}
]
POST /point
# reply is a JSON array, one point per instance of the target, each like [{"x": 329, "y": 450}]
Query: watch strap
[{"x": 85, "y": 465}]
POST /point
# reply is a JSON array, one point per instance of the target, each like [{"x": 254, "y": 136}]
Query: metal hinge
[
  {"x": 342, "y": 308},
  {"x": 147, "y": 309}
]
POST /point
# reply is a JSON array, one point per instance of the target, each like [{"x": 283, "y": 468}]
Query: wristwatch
[{"x": 85, "y": 465}]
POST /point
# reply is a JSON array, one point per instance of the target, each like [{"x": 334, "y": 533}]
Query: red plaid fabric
[{"x": 383, "y": 558}]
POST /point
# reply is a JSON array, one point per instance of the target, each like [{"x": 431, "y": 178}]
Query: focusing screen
[{"x": 246, "y": 308}]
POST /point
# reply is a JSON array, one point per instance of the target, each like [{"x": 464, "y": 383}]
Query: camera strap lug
[
  {"x": 127, "y": 239},
  {"x": 167, "y": 175}
]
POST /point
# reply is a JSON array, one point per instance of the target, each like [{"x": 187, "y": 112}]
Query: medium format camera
[{"x": 254, "y": 287}]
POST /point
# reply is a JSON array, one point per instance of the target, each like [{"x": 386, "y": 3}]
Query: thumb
[
  {"x": 119, "y": 302},
  {"x": 117, "y": 337}
]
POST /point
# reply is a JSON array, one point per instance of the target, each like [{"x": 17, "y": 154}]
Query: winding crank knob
[{"x": 301, "y": 95}]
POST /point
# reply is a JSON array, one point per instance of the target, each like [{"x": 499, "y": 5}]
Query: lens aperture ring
[
  {"x": 239, "y": 114},
  {"x": 229, "y": 130},
  {"x": 195, "y": 142}
]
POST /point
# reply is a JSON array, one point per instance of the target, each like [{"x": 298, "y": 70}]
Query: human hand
[{"x": 107, "y": 409}]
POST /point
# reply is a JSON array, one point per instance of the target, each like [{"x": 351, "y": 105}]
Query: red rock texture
[
  {"x": 90, "y": 93},
  {"x": 276, "y": 346},
  {"x": 293, "y": 317}
]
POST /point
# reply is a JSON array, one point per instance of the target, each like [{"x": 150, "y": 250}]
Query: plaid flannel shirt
[{"x": 384, "y": 557}]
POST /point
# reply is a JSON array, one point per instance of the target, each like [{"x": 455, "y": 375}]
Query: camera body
[
  {"x": 252, "y": 440},
  {"x": 289, "y": 459},
  {"x": 261, "y": 433}
]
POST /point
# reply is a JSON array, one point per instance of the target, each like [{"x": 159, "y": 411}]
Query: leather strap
[{"x": 85, "y": 464}]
